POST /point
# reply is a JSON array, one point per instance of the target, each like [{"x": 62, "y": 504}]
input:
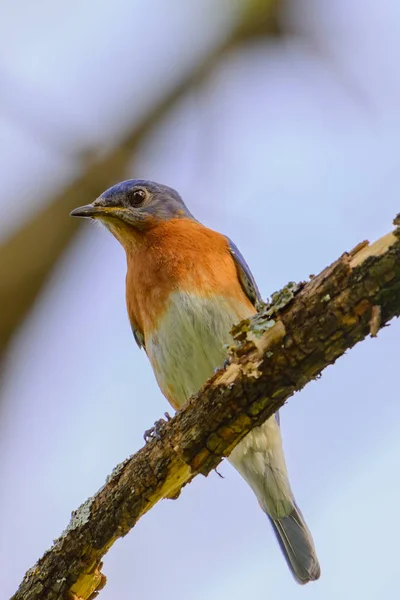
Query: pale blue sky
[{"x": 292, "y": 148}]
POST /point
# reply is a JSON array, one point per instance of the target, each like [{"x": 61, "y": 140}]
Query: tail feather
[
  {"x": 297, "y": 546},
  {"x": 260, "y": 460}
]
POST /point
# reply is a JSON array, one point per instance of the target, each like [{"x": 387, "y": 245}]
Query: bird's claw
[
  {"x": 218, "y": 473},
  {"x": 154, "y": 433},
  {"x": 226, "y": 364}
]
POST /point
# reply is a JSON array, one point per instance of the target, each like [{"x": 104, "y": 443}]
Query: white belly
[
  {"x": 190, "y": 342},
  {"x": 188, "y": 346}
]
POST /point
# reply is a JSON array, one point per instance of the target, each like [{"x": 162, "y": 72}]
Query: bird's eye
[{"x": 136, "y": 197}]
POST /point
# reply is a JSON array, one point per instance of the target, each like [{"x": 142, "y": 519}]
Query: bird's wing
[
  {"x": 246, "y": 278},
  {"x": 139, "y": 337},
  {"x": 248, "y": 283}
]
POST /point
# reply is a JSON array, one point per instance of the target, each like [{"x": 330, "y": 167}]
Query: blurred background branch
[{"x": 27, "y": 256}]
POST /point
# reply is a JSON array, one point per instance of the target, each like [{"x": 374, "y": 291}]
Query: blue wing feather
[
  {"x": 248, "y": 283},
  {"x": 245, "y": 275},
  {"x": 139, "y": 337}
]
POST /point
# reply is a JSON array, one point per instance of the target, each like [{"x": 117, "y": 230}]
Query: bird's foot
[
  {"x": 155, "y": 431},
  {"x": 226, "y": 364},
  {"x": 218, "y": 473}
]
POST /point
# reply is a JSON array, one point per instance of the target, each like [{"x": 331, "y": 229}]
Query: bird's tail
[
  {"x": 297, "y": 546},
  {"x": 260, "y": 460}
]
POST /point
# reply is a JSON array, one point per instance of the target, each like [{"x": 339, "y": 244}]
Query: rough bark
[{"x": 289, "y": 342}]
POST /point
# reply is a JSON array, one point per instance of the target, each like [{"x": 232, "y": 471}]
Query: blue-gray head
[{"x": 135, "y": 203}]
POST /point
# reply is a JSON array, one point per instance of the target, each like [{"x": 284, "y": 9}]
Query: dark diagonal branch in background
[
  {"x": 287, "y": 344},
  {"x": 27, "y": 257}
]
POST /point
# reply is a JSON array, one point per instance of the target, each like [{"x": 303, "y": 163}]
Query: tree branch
[{"x": 289, "y": 342}]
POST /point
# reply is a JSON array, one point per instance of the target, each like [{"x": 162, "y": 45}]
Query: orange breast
[{"x": 179, "y": 254}]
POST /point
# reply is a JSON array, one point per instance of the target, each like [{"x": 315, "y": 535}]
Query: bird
[{"x": 186, "y": 287}]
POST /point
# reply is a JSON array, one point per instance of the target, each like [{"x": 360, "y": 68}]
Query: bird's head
[{"x": 134, "y": 206}]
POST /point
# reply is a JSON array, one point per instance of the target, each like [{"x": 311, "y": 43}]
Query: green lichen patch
[
  {"x": 260, "y": 324},
  {"x": 80, "y": 516},
  {"x": 117, "y": 470},
  {"x": 239, "y": 331},
  {"x": 264, "y": 320},
  {"x": 280, "y": 299}
]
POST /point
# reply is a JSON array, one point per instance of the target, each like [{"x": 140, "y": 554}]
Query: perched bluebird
[{"x": 186, "y": 286}]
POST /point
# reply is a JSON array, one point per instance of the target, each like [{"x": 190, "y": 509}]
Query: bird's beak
[
  {"x": 92, "y": 211},
  {"x": 110, "y": 215}
]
